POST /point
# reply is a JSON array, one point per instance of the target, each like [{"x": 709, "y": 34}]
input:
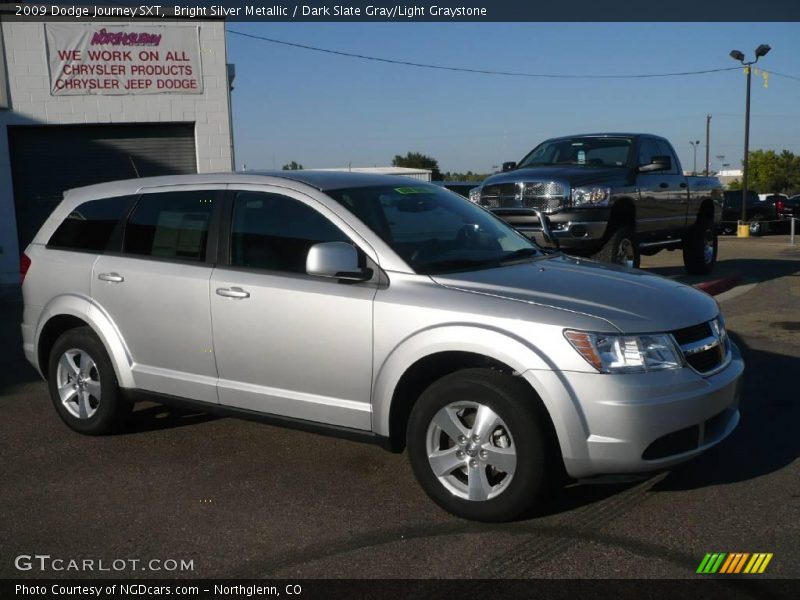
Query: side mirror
[
  {"x": 658, "y": 163},
  {"x": 509, "y": 166},
  {"x": 337, "y": 260}
]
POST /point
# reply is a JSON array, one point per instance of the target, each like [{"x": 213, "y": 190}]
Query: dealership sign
[{"x": 123, "y": 59}]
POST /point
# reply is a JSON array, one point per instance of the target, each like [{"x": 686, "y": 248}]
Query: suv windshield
[
  {"x": 580, "y": 151},
  {"x": 435, "y": 230}
]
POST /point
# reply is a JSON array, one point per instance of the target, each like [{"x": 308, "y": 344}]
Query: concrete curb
[{"x": 718, "y": 286}]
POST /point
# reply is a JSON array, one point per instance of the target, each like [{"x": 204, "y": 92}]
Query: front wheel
[
  {"x": 700, "y": 248},
  {"x": 621, "y": 248},
  {"x": 478, "y": 445},
  {"x": 83, "y": 385}
]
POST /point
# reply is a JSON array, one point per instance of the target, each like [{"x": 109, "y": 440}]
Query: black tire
[
  {"x": 700, "y": 248},
  {"x": 97, "y": 415},
  {"x": 621, "y": 242},
  {"x": 528, "y": 430}
]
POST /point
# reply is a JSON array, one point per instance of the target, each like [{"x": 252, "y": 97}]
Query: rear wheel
[
  {"x": 621, "y": 248},
  {"x": 83, "y": 385},
  {"x": 478, "y": 445},
  {"x": 700, "y": 248}
]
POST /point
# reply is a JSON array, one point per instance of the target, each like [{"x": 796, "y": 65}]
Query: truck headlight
[
  {"x": 590, "y": 196},
  {"x": 610, "y": 353},
  {"x": 475, "y": 195}
]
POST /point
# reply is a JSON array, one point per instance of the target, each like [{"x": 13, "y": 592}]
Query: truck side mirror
[
  {"x": 509, "y": 166},
  {"x": 658, "y": 163}
]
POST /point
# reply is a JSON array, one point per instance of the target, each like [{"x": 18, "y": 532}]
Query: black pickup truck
[
  {"x": 770, "y": 212},
  {"x": 611, "y": 196}
]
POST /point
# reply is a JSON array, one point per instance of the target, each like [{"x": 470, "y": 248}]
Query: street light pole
[
  {"x": 736, "y": 55},
  {"x": 694, "y": 164}
]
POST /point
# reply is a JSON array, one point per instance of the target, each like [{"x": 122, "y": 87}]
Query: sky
[{"x": 323, "y": 110}]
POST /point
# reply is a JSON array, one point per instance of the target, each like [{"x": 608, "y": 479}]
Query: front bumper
[
  {"x": 574, "y": 230},
  {"x": 635, "y": 423}
]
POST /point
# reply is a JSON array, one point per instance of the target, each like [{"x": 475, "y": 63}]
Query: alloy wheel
[
  {"x": 625, "y": 253},
  {"x": 78, "y": 383},
  {"x": 471, "y": 451}
]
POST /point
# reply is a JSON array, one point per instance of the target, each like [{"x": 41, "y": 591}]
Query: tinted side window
[
  {"x": 647, "y": 150},
  {"x": 90, "y": 226},
  {"x": 171, "y": 225},
  {"x": 664, "y": 149},
  {"x": 274, "y": 232}
]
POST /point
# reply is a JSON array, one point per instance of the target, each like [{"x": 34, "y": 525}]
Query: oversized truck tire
[
  {"x": 700, "y": 248},
  {"x": 621, "y": 248}
]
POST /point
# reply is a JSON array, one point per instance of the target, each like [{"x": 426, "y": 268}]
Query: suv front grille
[
  {"x": 547, "y": 196},
  {"x": 702, "y": 348}
]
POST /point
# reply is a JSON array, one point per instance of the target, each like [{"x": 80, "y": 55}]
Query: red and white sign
[{"x": 123, "y": 59}]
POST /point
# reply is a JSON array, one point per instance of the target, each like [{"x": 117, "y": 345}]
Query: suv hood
[
  {"x": 574, "y": 175},
  {"x": 631, "y": 300}
]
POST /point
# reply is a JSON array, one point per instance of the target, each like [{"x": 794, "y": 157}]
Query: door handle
[
  {"x": 112, "y": 277},
  {"x": 663, "y": 185},
  {"x": 683, "y": 185},
  {"x": 234, "y": 292}
]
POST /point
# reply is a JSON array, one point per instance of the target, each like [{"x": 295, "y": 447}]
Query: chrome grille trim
[
  {"x": 546, "y": 196},
  {"x": 703, "y": 353}
]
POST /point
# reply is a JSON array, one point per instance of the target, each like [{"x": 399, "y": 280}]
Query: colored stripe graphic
[{"x": 734, "y": 563}]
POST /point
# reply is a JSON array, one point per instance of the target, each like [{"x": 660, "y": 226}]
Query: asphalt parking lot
[{"x": 247, "y": 500}]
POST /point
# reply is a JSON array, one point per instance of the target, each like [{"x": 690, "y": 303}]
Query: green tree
[
  {"x": 468, "y": 176},
  {"x": 292, "y": 166},
  {"x": 770, "y": 172},
  {"x": 416, "y": 160}
]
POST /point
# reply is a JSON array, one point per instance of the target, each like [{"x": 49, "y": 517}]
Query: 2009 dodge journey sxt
[{"x": 378, "y": 308}]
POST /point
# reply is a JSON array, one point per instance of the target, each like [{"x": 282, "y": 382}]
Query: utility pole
[{"x": 708, "y": 143}]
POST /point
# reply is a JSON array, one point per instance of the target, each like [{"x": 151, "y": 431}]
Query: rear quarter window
[{"x": 91, "y": 226}]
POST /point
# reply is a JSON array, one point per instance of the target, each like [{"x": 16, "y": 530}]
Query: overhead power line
[{"x": 479, "y": 71}]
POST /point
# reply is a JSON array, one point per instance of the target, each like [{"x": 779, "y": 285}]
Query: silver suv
[{"x": 380, "y": 309}]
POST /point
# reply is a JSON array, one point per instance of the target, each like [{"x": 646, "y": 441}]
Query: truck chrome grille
[
  {"x": 547, "y": 196},
  {"x": 702, "y": 346}
]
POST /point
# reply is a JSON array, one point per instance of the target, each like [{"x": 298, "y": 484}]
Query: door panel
[
  {"x": 297, "y": 346},
  {"x": 156, "y": 291},
  {"x": 662, "y": 200},
  {"x": 162, "y": 312},
  {"x": 287, "y": 343}
]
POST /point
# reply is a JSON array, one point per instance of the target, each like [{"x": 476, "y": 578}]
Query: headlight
[
  {"x": 626, "y": 353},
  {"x": 718, "y": 327},
  {"x": 591, "y": 196},
  {"x": 475, "y": 195}
]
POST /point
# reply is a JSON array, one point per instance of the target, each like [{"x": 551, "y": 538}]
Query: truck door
[{"x": 662, "y": 200}]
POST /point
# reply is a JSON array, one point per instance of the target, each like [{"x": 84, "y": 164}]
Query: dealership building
[{"x": 83, "y": 103}]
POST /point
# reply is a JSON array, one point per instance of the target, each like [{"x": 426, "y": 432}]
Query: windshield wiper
[
  {"x": 520, "y": 254},
  {"x": 454, "y": 264}
]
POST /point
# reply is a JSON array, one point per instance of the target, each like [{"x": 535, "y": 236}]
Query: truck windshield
[
  {"x": 580, "y": 151},
  {"x": 435, "y": 230}
]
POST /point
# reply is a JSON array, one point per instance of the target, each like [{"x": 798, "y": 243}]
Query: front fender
[
  {"x": 83, "y": 308},
  {"x": 524, "y": 357}
]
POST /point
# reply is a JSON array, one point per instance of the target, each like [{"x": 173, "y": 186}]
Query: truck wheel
[
  {"x": 83, "y": 385},
  {"x": 478, "y": 445},
  {"x": 700, "y": 248},
  {"x": 621, "y": 248},
  {"x": 756, "y": 226}
]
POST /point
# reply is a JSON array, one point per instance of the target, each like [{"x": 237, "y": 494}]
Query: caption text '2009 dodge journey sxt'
[{"x": 378, "y": 308}]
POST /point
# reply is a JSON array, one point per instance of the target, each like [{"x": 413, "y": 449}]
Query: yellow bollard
[{"x": 744, "y": 230}]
